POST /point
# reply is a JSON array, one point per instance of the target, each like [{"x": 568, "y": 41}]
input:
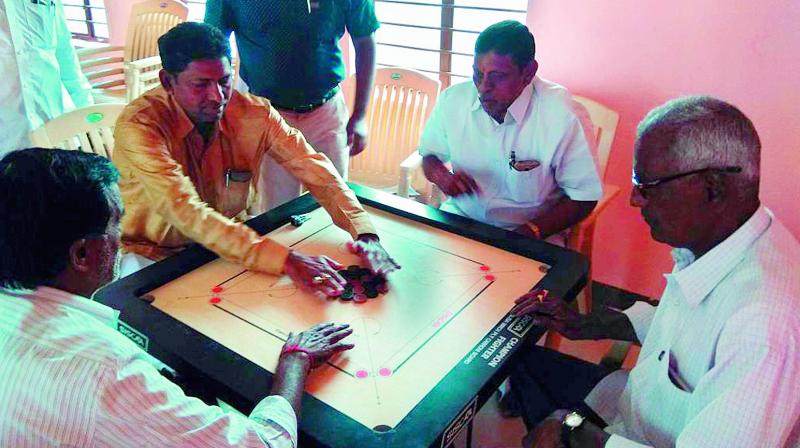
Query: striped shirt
[
  {"x": 69, "y": 379},
  {"x": 720, "y": 363}
]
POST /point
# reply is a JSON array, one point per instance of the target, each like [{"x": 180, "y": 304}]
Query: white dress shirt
[
  {"x": 70, "y": 379},
  {"x": 40, "y": 73},
  {"x": 720, "y": 363},
  {"x": 543, "y": 124}
]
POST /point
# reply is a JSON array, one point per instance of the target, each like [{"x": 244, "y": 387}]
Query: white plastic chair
[
  {"x": 581, "y": 236},
  {"x": 88, "y": 129},
  {"x": 402, "y": 100},
  {"x": 107, "y": 67}
]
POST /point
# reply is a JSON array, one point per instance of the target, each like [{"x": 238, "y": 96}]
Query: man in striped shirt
[
  {"x": 720, "y": 358},
  {"x": 68, "y": 378}
]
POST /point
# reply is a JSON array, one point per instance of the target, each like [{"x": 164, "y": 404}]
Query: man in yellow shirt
[{"x": 188, "y": 154}]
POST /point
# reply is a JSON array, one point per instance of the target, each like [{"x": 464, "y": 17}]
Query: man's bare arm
[
  {"x": 562, "y": 215},
  {"x": 365, "y": 77}
]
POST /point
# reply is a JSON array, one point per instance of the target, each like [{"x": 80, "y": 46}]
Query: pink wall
[
  {"x": 118, "y": 12},
  {"x": 634, "y": 54}
]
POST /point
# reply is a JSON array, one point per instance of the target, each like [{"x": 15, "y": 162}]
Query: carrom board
[{"x": 444, "y": 317}]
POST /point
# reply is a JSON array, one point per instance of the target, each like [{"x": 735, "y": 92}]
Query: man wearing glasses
[
  {"x": 720, "y": 362},
  {"x": 70, "y": 379}
]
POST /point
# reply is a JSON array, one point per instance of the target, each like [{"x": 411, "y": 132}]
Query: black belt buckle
[{"x": 306, "y": 107}]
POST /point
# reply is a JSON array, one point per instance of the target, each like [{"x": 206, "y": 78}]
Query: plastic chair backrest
[
  {"x": 402, "y": 100},
  {"x": 605, "y": 123},
  {"x": 88, "y": 129},
  {"x": 149, "y": 20}
]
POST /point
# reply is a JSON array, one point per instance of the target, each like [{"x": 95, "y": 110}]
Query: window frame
[
  {"x": 446, "y": 30},
  {"x": 89, "y": 19}
]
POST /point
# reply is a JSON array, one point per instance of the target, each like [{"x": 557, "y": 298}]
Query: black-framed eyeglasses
[{"x": 642, "y": 187}]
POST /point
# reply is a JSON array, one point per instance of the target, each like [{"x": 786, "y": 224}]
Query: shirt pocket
[
  {"x": 663, "y": 405},
  {"x": 527, "y": 186},
  {"x": 234, "y": 192}
]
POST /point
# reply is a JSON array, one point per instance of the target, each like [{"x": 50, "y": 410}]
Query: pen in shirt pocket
[
  {"x": 675, "y": 376},
  {"x": 521, "y": 165}
]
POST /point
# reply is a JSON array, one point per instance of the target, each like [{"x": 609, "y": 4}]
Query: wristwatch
[{"x": 570, "y": 423}]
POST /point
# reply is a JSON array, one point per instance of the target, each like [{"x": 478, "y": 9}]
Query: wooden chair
[
  {"x": 108, "y": 67},
  {"x": 88, "y": 129},
  {"x": 402, "y": 100}
]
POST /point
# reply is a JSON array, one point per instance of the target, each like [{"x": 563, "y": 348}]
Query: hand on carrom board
[
  {"x": 373, "y": 255},
  {"x": 321, "y": 341},
  {"x": 551, "y": 312},
  {"x": 315, "y": 273}
]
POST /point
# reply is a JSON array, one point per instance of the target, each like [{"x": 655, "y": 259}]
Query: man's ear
[
  {"x": 167, "y": 80},
  {"x": 79, "y": 256},
  {"x": 715, "y": 187},
  {"x": 529, "y": 71}
]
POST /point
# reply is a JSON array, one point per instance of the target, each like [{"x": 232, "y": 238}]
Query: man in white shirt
[
  {"x": 520, "y": 147},
  {"x": 42, "y": 78},
  {"x": 69, "y": 378},
  {"x": 720, "y": 360}
]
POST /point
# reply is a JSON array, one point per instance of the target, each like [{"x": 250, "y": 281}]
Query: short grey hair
[{"x": 701, "y": 131}]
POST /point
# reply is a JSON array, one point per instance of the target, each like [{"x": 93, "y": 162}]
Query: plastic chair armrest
[
  {"x": 407, "y": 167},
  {"x": 609, "y": 193}
]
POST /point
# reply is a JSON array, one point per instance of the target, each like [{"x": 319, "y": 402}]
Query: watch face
[{"x": 573, "y": 420}]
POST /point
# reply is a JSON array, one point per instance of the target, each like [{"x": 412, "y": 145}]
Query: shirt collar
[
  {"x": 184, "y": 123},
  {"x": 104, "y": 314},
  {"x": 697, "y": 278},
  {"x": 520, "y": 105},
  {"x": 517, "y": 109}
]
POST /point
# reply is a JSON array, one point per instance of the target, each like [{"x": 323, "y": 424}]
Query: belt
[{"x": 305, "y": 108}]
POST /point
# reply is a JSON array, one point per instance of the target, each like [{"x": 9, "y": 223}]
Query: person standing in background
[
  {"x": 41, "y": 75},
  {"x": 290, "y": 55}
]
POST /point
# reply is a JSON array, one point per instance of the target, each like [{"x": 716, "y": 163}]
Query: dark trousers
[{"x": 545, "y": 380}]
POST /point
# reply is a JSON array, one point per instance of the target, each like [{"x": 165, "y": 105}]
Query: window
[
  {"x": 86, "y": 19},
  {"x": 437, "y": 37}
]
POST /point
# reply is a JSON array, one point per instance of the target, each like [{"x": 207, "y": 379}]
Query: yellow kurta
[{"x": 177, "y": 189}]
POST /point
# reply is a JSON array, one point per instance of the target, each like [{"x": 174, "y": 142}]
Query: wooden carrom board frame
[{"x": 435, "y": 420}]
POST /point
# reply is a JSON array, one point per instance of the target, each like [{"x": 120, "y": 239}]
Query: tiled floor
[{"x": 491, "y": 430}]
